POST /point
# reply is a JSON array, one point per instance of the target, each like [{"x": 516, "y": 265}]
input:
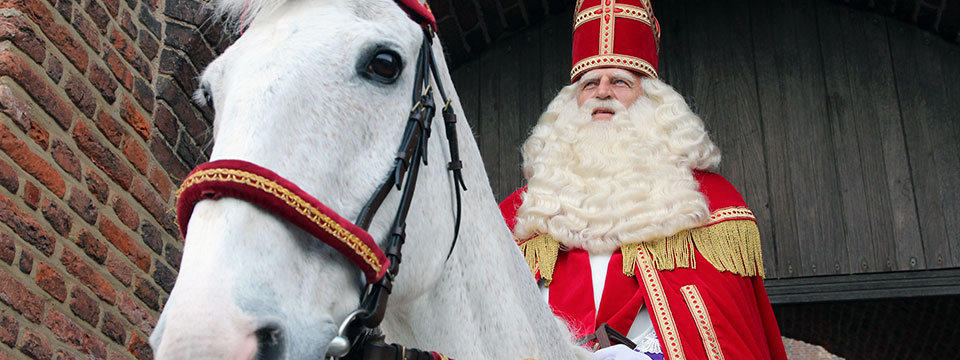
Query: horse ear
[{"x": 203, "y": 96}]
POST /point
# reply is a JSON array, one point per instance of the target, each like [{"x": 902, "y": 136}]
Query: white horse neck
[{"x": 486, "y": 304}]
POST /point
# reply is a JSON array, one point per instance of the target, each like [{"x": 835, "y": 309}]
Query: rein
[{"x": 359, "y": 336}]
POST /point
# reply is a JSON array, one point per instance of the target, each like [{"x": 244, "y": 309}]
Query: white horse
[{"x": 291, "y": 96}]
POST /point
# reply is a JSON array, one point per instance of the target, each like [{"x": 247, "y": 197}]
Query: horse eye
[{"x": 384, "y": 67}]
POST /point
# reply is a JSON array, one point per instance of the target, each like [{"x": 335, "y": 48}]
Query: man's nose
[{"x": 604, "y": 91}]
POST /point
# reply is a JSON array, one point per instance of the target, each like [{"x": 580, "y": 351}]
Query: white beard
[{"x": 598, "y": 184}]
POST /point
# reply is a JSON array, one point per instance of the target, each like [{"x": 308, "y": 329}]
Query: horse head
[{"x": 319, "y": 93}]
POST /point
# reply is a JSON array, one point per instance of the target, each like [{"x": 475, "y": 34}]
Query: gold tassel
[
  {"x": 732, "y": 245},
  {"x": 541, "y": 253}
]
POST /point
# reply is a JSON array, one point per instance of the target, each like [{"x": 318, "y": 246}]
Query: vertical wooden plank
[
  {"x": 674, "y": 66},
  {"x": 786, "y": 49},
  {"x": 929, "y": 123},
  {"x": 950, "y": 125},
  {"x": 556, "y": 35},
  {"x": 726, "y": 93},
  {"x": 869, "y": 145},
  {"x": 509, "y": 106},
  {"x": 489, "y": 117},
  {"x": 531, "y": 103}
]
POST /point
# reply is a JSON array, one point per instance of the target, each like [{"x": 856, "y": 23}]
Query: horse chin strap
[{"x": 359, "y": 336}]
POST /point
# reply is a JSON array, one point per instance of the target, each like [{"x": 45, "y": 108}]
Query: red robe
[{"x": 703, "y": 287}]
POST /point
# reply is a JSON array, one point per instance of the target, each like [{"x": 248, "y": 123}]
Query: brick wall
[{"x": 97, "y": 130}]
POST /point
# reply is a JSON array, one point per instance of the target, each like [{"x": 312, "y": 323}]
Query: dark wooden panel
[
  {"x": 950, "y": 172},
  {"x": 489, "y": 116},
  {"x": 930, "y": 118},
  {"x": 724, "y": 84},
  {"x": 531, "y": 104},
  {"x": 863, "y": 286},
  {"x": 786, "y": 49},
  {"x": 869, "y": 141},
  {"x": 509, "y": 114},
  {"x": 556, "y": 37}
]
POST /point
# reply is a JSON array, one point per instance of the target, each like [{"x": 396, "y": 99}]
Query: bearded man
[{"x": 622, "y": 222}]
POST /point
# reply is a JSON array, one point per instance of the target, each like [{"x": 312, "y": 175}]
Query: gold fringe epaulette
[
  {"x": 732, "y": 245},
  {"x": 541, "y": 254}
]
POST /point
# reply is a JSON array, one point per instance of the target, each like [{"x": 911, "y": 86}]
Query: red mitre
[{"x": 615, "y": 33}]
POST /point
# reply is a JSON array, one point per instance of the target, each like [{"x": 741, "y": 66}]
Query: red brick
[
  {"x": 125, "y": 243},
  {"x": 9, "y": 178},
  {"x": 167, "y": 159},
  {"x": 126, "y": 213},
  {"x": 57, "y": 33},
  {"x": 119, "y": 269},
  {"x": 136, "y": 154},
  {"x": 84, "y": 306},
  {"x": 119, "y": 68},
  {"x": 164, "y": 121},
  {"x": 91, "y": 245},
  {"x": 39, "y": 135},
  {"x": 105, "y": 159},
  {"x": 150, "y": 21},
  {"x": 98, "y": 14},
  {"x": 139, "y": 347},
  {"x": 81, "y": 94},
  {"x": 87, "y": 31},
  {"x": 173, "y": 255},
  {"x": 187, "y": 39},
  {"x": 126, "y": 22},
  {"x": 83, "y": 205},
  {"x": 143, "y": 92},
  {"x": 26, "y": 227},
  {"x": 148, "y": 45},
  {"x": 88, "y": 276},
  {"x": 31, "y": 162},
  {"x": 149, "y": 198},
  {"x": 135, "y": 313},
  {"x": 52, "y": 282},
  {"x": 113, "y": 6},
  {"x": 54, "y": 68},
  {"x": 65, "y": 157},
  {"x": 63, "y": 355},
  {"x": 129, "y": 53},
  {"x": 111, "y": 128},
  {"x": 18, "y": 31},
  {"x": 164, "y": 276},
  {"x": 69, "y": 332},
  {"x": 160, "y": 181},
  {"x": 8, "y": 251},
  {"x": 97, "y": 186},
  {"x": 26, "y": 261},
  {"x": 132, "y": 116},
  {"x": 182, "y": 106},
  {"x": 31, "y": 195},
  {"x": 104, "y": 82},
  {"x": 21, "y": 299},
  {"x": 148, "y": 294},
  {"x": 113, "y": 328},
  {"x": 35, "y": 346},
  {"x": 9, "y": 328},
  {"x": 15, "y": 67},
  {"x": 57, "y": 217},
  {"x": 15, "y": 108},
  {"x": 152, "y": 237}
]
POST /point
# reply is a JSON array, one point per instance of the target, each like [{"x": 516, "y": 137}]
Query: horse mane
[{"x": 238, "y": 14}]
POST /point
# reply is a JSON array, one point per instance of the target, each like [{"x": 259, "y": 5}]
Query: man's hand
[{"x": 619, "y": 352}]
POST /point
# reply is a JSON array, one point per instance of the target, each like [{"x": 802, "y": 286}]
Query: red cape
[{"x": 700, "y": 308}]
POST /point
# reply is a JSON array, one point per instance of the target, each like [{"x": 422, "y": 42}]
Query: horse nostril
[{"x": 269, "y": 342}]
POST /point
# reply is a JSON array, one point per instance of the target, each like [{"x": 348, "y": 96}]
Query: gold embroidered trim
[
  {"x": 586, "y": 15},
  {"x": 630, "y": 62},
  {"x": 607, "y": 28},
  {"x": 541, "y": 254},
  {"x": 698, "y": 309},
  {"x": 732, "y": 245},
  {"x": 733, "y": 212},
  {"x": 661, "y": 308},
  {"x": 296, "y": 202}
]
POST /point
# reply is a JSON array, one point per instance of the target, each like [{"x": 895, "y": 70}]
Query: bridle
[{"x": 358, "y": 336}]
